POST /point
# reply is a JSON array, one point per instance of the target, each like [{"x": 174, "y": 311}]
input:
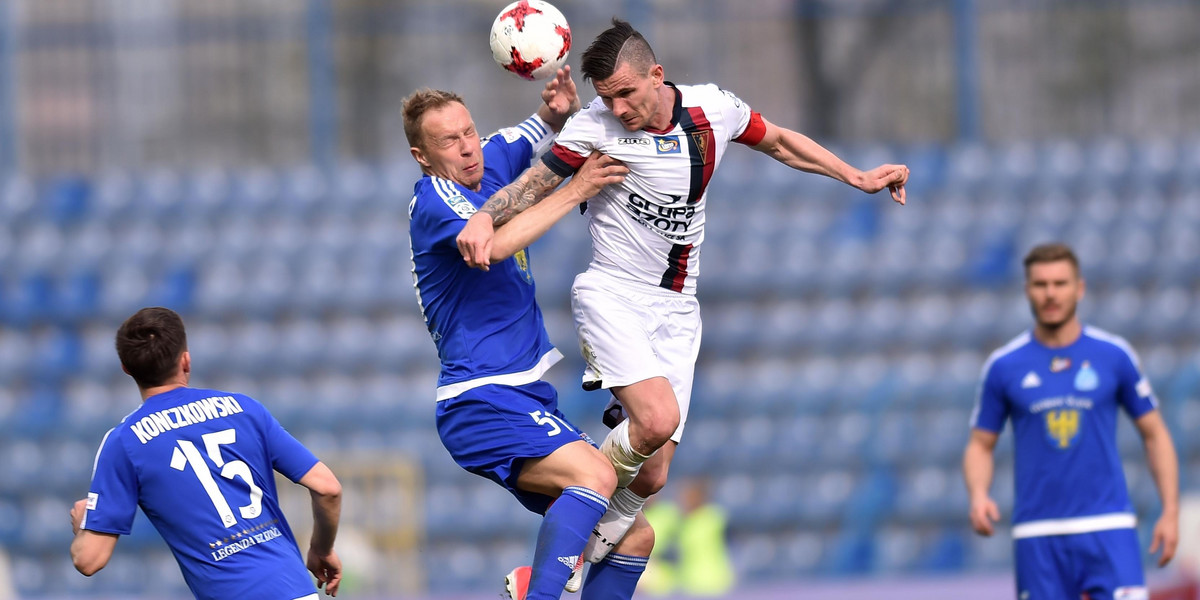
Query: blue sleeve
[
  {"x": 1134, "y": 391},
  {"x": 113, "y": 495},
  {"x": 436, "y": 219},
  {"x": 288, "y": 456},
  {"x": 511, "y": 150},
  {"x": 991, "y": 410}
]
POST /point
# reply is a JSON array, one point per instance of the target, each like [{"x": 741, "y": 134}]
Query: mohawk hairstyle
[{"x": 617, "y": 45}]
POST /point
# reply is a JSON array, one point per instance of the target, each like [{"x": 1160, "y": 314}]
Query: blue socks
[
  {"x": 565, "y": 529},
  {"x": 613, "y": 578}
]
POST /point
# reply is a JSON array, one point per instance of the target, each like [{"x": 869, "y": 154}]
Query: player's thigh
[
  {"x": 575, "y": 464},
  {"x": 1044, "y": 569},
  {"x": 1112, "y": 565},
  {"x": 677, "y": 344},
  {"x": 614, "y": 330},
  {"x": 492, "y": 430},
  {"x": 649, "y": 401}
]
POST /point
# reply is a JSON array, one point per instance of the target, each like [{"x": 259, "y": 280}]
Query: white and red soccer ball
[{"x": 530, "y": 39}]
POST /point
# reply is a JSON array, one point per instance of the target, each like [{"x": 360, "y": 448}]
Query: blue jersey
[
  {"x": 1063, "y": 404},
  {"x": 199, "y": 463},
  {"x": 486, "y": 324}
]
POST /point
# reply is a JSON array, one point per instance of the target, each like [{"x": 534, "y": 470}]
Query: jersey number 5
[
  {"x": 551, "y": 422},
  {"x": 186, "y": 454}
]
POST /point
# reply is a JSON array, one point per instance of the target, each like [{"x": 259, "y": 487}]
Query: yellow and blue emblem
[{"x": 1062, "y": 426}]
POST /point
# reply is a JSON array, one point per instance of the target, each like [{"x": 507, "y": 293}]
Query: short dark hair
[
  {"x": 417, "y": 104},
  {"x": 618, "y": 44},
  {"x": 1047, "y": 253},
  {"x": 149, "y": 345}
]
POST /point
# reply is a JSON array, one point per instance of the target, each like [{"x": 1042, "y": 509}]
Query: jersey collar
[{"x": 676, "y": 111}]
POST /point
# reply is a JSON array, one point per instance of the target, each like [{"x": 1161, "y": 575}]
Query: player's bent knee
[
  {"x": 655, "y": 432},
  {"x": 639, "y": 541},
  {"x": 597, "y": 474}
]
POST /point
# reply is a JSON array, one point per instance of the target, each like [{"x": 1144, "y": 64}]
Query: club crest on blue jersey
[
  {"x": 667, "y": 145},
  {"x": 1086, "y": 379},
  {"x": 523, "y": 264},
  {"x": 1062, "y": 426}
]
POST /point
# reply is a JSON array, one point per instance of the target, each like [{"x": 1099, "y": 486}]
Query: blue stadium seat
[
  {"x": 160, "y": 194},
  {"x": 897, "y": 550},
  {"x": 257, "y": 191},
  {"x": 65, "y": 199},
  {"x": 946, "y": 550}
]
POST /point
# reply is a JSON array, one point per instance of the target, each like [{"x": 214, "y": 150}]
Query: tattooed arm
[
  {"x": 523, "y": 229},
  {"x": 475, "y": 240}
]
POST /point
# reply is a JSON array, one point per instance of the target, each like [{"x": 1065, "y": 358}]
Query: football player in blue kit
[
  {"x": 1062, "y": 384},
  {"x": 200, "y": 463},
  {"x": 494, "y": 414}
]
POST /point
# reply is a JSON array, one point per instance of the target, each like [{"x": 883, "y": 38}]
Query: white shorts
[{"x": 630, "y": 332}]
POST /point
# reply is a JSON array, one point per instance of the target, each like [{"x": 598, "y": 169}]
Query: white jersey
[{"x": 649, "y": 229}]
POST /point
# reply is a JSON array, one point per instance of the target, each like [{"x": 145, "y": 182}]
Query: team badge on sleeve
[
  {"x": 460, "y": 205},
  {"x": 736, "y": 101},
  {"x": 92, "y": 499},
  {"x": 510, "y": 134},
  {"x": 1133, "y": 592},
  {"x": 1143, "y": 388}
]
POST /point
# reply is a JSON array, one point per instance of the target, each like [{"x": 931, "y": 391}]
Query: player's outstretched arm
[
  {"x": 326, "y": 493},
  {"x": 90, "y": 550},
  {"x": 979, "y": 463},
  {"x": 560, "y": 100},
  {"x": 475, "y": 240},
  {"x": 798, "y": 151},
  {"x": 1164, "y": 467},
  {"x": 595, "y": 173}
]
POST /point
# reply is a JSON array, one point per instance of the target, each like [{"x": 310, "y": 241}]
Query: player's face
[
  {"x": 632, "y": 95},
  {"x": 1054, "y": 289},
  {"x": 450, "y": 146}
]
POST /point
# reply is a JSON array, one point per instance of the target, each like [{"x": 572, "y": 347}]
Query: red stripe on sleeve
[
  {"x": 569, "y": 157},
  {"x": 754, "y": 132}
]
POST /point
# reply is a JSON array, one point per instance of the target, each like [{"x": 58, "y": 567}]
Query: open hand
[{"x": 560, "y": 94}]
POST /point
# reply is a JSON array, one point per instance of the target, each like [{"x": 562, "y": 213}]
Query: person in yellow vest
[{"x": 690, "y": 553}]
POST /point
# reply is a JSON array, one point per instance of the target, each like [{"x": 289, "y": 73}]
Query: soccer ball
[{"x": 530, "y": 39}]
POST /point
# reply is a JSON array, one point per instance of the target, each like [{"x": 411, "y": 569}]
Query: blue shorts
[
  {"x": 491, "y": 430},
  {"x": 1105, "y": 565}
]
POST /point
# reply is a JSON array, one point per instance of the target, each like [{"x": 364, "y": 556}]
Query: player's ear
[
  {"x": 1082, "y": 289},
  {"x": 419, "y": 156},
  {"x": 185, "y": 362},
  {"x": 656, "y": 74}
]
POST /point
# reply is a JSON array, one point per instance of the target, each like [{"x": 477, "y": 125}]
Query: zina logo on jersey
[{"x": 1062, "y": 426}]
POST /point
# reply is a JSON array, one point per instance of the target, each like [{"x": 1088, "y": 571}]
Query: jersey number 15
[{"x": 186, "y": 454}]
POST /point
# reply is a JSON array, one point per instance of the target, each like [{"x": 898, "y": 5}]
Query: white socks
[
  {"x": 622, "y": 508},
  {"x": 621, "y": 454}
]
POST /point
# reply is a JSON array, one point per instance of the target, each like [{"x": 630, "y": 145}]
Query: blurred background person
[{"x": 691, "y": 553}]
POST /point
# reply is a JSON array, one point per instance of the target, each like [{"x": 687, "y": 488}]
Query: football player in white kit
[{"x": 635, "y": 306}]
